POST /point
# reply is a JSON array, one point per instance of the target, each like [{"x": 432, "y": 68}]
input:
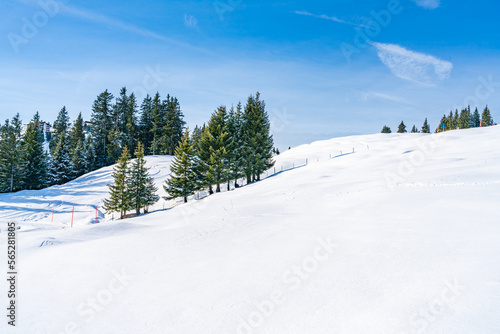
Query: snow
[{"x": 400, "y": 236}]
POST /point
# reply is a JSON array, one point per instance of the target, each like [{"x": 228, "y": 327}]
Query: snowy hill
[{"x": 400, "y": 236}]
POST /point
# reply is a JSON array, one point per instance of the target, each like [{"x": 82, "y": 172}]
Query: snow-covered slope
[{"x": 400, "y": 236}]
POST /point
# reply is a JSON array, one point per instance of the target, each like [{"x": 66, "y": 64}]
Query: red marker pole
[
  {"x": 72, "y": 215},
  {"x": 96, "y": 214}
]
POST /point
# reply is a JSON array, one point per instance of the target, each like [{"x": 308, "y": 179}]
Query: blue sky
[{"x": 325, "y": 68}]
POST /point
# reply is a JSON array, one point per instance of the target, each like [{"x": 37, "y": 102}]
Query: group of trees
[
  {"x": 133, "y": 187},
  {"x": 23, "y": 160},
  {"x": 463, "y": 120},
  {"x": 234, "y": 144},
  {"x": 79, "y": 148}
]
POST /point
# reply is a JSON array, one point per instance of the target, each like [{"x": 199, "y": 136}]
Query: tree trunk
[
  {"x": 185, "y": 199},
  {"x": 217, "y": 190},
  {"x": 228, "y": 185},
  {"x": 210, "y": 190}
]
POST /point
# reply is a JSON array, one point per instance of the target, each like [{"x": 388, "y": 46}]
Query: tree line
[
  {"x": 79, "y": 148},
  {"x": 463, "y": 120},
  {"x": 233, "y": 144}
]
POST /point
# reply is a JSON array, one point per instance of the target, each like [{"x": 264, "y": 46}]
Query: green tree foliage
[
  {"x": 425, "y": 127},
  {"x": 146, "y": 124},
  {"x": 11, "y": 156},
  {"x": 184, "y": 180},
  {"x": 60, "y": 128},
  {"x": 464, "y": 118},
  {"x": 386, "y": 129},
  {"x": 61, "y": 169},
  {"x": 486, "y": 119},
  {"x": 141, "y": 186},
  {"x": 216, "y": 140},
  {"x": 101, "y": 126},
  {"x": 475, "y": 119},
  {"x": 258, "y": 142},
  {"x": 119, "y": 200},
  {"x": 234, "y": 157},
  {"x": 414, "y": 129},
  {"x": 402, "y": 127},
  {"x": 35, "y": 168}
]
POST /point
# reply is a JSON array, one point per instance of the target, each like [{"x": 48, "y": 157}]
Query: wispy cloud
[
  {"x": 115, "y": 23},
  {"x": 429, "y": 4},
  {"x": 383, "y": 96},
  {"x": 413, "y": 66},
  {"x": 331, "y": 18}
]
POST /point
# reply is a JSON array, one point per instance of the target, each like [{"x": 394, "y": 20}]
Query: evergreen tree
[
  {"x": 141, "y": 186},
  {"x": 77, "y": 134},
  {"x": 184, "y": 179},
  {"x": 60, "y": 128},
  {"x": 101, "y": 126},
  {"x": 455, "y": 119},
  {"x": 11, "y": 156},
  {"x": 61, "y": 169},
  {"x": 130, "y": 130},
  {"x": 258, "y": 142},
  {"x": 216, "y": 141},
  {"x": 79, "y": 162},
  {"x": 235, "y": 131},
  {"x": 146, "y": 124},
  {"x": 158, "y": 116},
  {"x": 402, "y": 127},
  {"x": 464, "y": 118},
  {"x": 119, "y": 200},
  {"x": 35, "y": 168},
  {"x": 414, "y": 129},
  {"x": 443, "y": 125},
  {"x": 475, "y": 121},
  {"x": 173, "y": 125},
  {"x": 486, "y": 119},
  {"x": 89, "y": 155},
  {"x": 386, "y": 129},
  {"x": 425, "y": 127},
  {"x": 114, "y": 147}
]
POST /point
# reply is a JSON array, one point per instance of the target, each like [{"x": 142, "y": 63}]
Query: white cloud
[
  {"x": 383, "y": 97},
  {"x": 331, "y": 18},
  {"x": 413, "y": 66},
  {"x": 429, "y": 4}
]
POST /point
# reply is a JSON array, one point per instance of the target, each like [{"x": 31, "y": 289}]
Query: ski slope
[{"x": 400, "y": 236}]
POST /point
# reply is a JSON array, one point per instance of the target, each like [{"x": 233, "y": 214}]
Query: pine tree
[
  {"x": 60, "y": 128},
  {"x": 119, "y": 200},
  {"x": 173, "y": 125},
  {"x": 79, "y": 162},
  {"x": 184, "y": 180},
  {"x": 11, "y": 156},
  {"x": 141, "y": 186},
  {"x": 443, "y": 125},
  {"x": 414, "y": 129},
  {"x": 114, "y": 147},
  {"x": 101, "y": 126},
  {"x": 464, "y": 118},
  {"x": 386, "y": 129},
  {"x": 158, "y": 116},
  {"x": 77, "y": 133},
  {"x": 216, "y": 140},
  {"x": 146, "y": 124},
  {"x": 258, "y": 142},
  {"x": 235, "y": 131},
  {"x": 61, "y": 169},
  {"x": 402, "y": 127},
  {"x": 475, "y": 120},
  {"x": 35, "y": 168},
  {"x": 425, "y": 127},
  {"x": 486, "y": 119},
  {"x": 455, "y": 119},
  {"x": 130, "y": 130},
  {"x": 89, "y": 155}
]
